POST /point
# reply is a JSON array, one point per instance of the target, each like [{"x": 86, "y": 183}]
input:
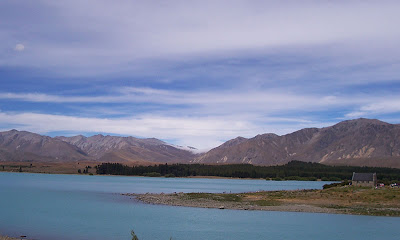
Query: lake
[{"x": 61, "y": 207}]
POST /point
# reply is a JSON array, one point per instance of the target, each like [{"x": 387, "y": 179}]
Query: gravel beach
[
  {"x": 340, "y": 200},
  {"x": 7, "y": 238},
  {"x": 180, "y": 200}
]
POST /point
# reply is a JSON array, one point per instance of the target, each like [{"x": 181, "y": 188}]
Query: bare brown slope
[
  {"x": 25, "y": 146},
  {"x": 354, "y": 142},
  {"x": 128, "y": 149},
  {"x": 353, "y": 139}
]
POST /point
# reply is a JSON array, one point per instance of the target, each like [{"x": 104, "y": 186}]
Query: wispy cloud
[
  {"x": 200, "y": 119},
  {"x": 19, "y": 47},
  {"x": 41, "y": 97},
  {"x": 211, "y": 102},
  {"x": 205, "y": 132},
  {"x": 201, "y": 132},
  {"x": 99, "y": 36},
  {"x": 385, "y": 105},
  {"x": 196, "y": 73}
]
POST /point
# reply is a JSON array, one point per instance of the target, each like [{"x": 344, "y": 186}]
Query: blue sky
[{"x": 196, "y": 73}]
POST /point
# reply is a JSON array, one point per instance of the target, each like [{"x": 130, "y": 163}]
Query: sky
[{"x": 196, "y": 73}]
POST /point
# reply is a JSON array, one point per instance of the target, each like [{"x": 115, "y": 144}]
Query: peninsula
[{"x": 339, "y": 200}]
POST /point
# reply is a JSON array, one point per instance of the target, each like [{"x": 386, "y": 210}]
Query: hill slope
[
  {"x": 25, "y": 146},
  {"x": 355, "y": 142},
  {"x": 348, "y": 142},
  {"x": 122, "y": 149}
]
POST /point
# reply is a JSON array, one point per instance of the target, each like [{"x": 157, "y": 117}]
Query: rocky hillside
[
  {"x": 354, "y": 141},
  {"x": 25, "y": 146},
  {"x": 121, "y": 149}
]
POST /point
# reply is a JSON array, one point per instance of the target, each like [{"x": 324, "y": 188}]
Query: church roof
[{"x": 363, "y": 176}]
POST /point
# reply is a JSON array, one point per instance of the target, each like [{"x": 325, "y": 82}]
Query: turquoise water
[{"x": 90, "y": 207}]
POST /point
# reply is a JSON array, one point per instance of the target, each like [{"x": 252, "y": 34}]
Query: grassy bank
[
  {"x": 49, "y": 167},
  {"x": 345, "y": 199}
]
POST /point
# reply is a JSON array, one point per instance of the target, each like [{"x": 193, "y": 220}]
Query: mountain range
[
  {"x": 26, "y": 146},
  {"x": 361, "y": 142}
]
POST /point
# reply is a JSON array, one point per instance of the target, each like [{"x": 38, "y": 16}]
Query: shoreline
[
  {"x": 188, "y": 177},
  {"x": 192, "y": 177},
  {"x": 341, "y": 200},
  {"x": 9, "y": 238},
  {"x": 171, "y": 200}
]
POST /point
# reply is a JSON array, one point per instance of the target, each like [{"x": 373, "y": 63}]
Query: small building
[{"x": 364, "y": 179}]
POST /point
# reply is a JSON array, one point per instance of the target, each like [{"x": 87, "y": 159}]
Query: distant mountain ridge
[
  {"x": 354, "y": 142},
  {"x": 117, "y": 149},
  {"x": 25, "y": 146},
  {"x": 347, "y": 142}
]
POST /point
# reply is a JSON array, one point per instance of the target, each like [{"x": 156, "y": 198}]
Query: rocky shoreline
[
  {"x": 8, "y": 238},
  {"x": 180, "y": 199},
  {"x": 335, "y": 200}
]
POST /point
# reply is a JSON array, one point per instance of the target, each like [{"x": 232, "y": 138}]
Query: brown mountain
[
  {"x": 122, "y": 149},
  {"x": 25, "y": 146},
  {"x": 354, "y": 142}
]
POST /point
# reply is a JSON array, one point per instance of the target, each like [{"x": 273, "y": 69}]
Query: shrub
[
  {"x": 277, "y": 179},
  {"x": 152, "y": 174},
  {"x": 334, "y": 179},
  {"x": 344, "y": 183}
]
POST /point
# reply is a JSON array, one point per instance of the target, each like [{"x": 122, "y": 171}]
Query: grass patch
[
  {"x": 344, "y": 199},
  {"x": 361, "y": 210},
  {"x": 214, "y": 196},
  {"x": 269, "y": 202}
]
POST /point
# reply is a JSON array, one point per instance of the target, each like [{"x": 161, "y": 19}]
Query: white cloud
[
  {"x": 384, "y": 105},
  {"x": 356, "y": 114},
  {"x": 103, "y": 36},
  {"x": 41, "y": 97},
  {"x": 221, "y": 102},
  {"x": 200, "y": 132},
  {"x": 199, "y": 119},
  {"x": 183, "y": 113},
  {"x": 19, "y": 47},
  {"x": 306, "y": 54}
]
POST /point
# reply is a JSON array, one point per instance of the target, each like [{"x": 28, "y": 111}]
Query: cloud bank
[
  {"x": 196, "y": 73},
  {"x": 95, "y": 37}
]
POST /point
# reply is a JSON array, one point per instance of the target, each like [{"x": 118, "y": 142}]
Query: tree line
[{"x": 294, "y": 170}]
